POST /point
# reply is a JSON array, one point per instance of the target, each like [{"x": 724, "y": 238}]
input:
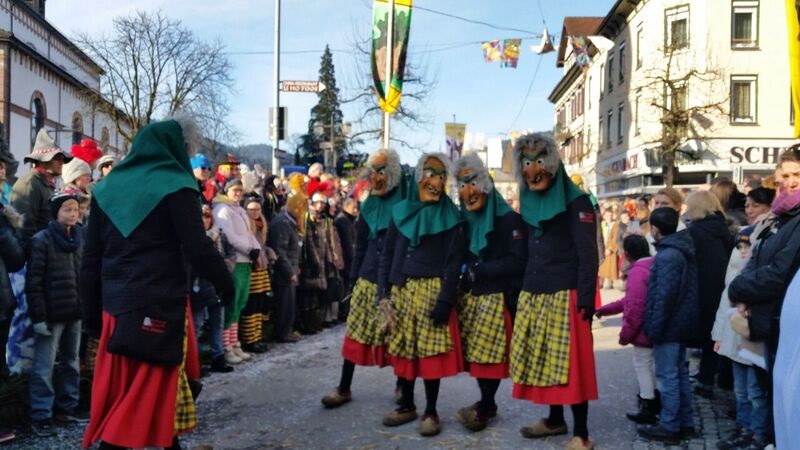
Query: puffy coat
[
  {"x": 284, "y": 238},
  {"x": 12, "y": 258},
  {"x": 723, "y": 332},
  {"x": 30, "y": 196},
  {"x": 712, "y": 245},
  {"x": 632, "y": 305},
  {"x": 316, "y": 260},
  {"x": 232, "y": 219},
  {"x": 671, "y": 312},
  {"x": 51, "y": 282}
]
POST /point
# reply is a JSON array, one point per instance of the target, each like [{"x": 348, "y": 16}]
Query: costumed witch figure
[
  {"x": 417, "y": 280},
  {"x": 490, "y": 283},
  {"x": 552, "y": 359},
  {"x": 365, "y": 339}
]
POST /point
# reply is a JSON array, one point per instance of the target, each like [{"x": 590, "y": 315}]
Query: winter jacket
[
  {"x": 672, "y": 304},
  {"x": 148, "y": 267},
  {"x": 632, "y": 305},
  {"x": 503, "y": 259},
  {"x": 317, "y": 260},
  {"x": 763, "y": 282},
  {"x": 366, "y": 258},
  {"x": 203, "y": 293},
  {"x": 51, "y": 282},
  {"x": 346, "y": 228},
  {"x": 712, "y": 245},
  {"x": 232, "y": 219},
  {"x": 722, "y": 331},
  {"x": 30, "y": 196},
  {"x": 565, "y": 255},
  {"x": 12, "y": 258},
  {"x": 436, "y": 256},
  {"x": 284, "y": 238}
]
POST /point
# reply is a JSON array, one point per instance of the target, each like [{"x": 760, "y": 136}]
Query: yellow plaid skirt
[
  {"x": 363, "y": 324},
  {"x": 540, "y": 343},
  {"x": 185, "y": 414},
  {"x": 483, "y": 328},
  {"x": 414, "y": 335}
]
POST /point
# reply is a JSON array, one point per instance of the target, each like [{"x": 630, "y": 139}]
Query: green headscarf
[
  {"x": 481, "y": 223},
  {"x": 157, "y": 165},
  {"x": 415, "y": 219},
  {"x": 538, "y": 207},
  {"x": 377, "y": 211}
]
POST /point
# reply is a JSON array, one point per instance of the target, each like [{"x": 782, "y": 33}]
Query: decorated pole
[{"x": 388, "y": 73}]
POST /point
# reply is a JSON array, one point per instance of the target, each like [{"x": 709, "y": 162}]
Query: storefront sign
[
  {"x": 620, "y": 166},
  {"x": 755, "y": 155}
]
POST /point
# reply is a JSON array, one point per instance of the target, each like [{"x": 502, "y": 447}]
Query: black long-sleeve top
[
  {"x": 565, "y": 255},
  {"x": 503, "y": 259},
  {"x": 437, "y": 255},
  {"x": 367, "y": 254}
]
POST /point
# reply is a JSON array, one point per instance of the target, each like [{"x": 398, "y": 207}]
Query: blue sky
[{"x": 481, "y": 95}]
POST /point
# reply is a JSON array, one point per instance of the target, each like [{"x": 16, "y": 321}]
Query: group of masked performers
[{"x": 482, "y": 289}]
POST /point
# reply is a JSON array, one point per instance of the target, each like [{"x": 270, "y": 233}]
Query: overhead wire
[{"x": 533, "y": 79}]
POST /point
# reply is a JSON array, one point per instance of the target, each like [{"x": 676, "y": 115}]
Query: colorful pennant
[
  {"x": 491, "y": 51},
  {"x": 511, "y": 52}
]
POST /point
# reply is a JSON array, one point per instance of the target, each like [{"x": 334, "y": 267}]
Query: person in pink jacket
[{"x": 632, "y": 306}]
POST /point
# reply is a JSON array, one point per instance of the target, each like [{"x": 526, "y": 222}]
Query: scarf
[
  {"x": 377, "y": 211},
  {"x": 157, "y": 165},
  {"x": 68, "y": 244},
  {"x": 48, "y": 178},
  {"x": 785, "y": 202},
  {"x": 481, "y": 223},
  {"x": 539, "y": 207},
  {"x": 415, "y": 219}
]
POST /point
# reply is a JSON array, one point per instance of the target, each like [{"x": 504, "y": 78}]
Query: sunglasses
[{"x": 205, "y": 168}]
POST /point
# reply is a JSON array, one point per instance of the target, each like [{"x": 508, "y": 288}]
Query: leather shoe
[{"x": 220, "y": 365}]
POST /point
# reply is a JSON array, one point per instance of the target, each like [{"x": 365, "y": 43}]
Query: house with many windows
[
  {"x": 44, "y": 78},
  {"x": 709, "y": 78}
]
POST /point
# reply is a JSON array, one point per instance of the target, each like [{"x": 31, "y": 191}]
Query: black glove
[
  {"x": 465, "y": 278},
  {"x": 254, "y": 254},
  {"x": 441, "y": 313},
  {"x": 587, "y": 312}
]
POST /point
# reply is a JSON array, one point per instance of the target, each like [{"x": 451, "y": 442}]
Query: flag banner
[
  {"x": 601, "y": 42},
  {"x": 389, "y": 102},
  {"x": 491, "y": 51},
  {"x": 793, "y": 22},
  {"x": 511, "y": 52},
  {"x": 454, "y": 136},
  {"x": 546, "y": 46},
  {"x": 581, "y": 50}
]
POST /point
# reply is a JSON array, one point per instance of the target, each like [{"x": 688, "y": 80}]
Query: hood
[
  {"x": 643, "y": 263},
  {"x": 680, "y": 241},
  {"x": 222, "y": 199},
  {"x": 713, "y": 225}
]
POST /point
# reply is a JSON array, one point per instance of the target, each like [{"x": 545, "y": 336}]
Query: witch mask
[{"x": 432, "y": 180}]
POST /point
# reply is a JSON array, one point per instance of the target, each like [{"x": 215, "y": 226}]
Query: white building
[
  {"x": 43, "y": 77},
  {"x": 727, "y": 61}
]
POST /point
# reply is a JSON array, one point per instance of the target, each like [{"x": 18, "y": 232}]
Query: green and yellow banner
[
  {"x": 793, "y": 21},
  {"x": 390, "y": 101}
]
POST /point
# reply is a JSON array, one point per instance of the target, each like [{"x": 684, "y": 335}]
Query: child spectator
[
  {"x": 669, "y": 322},
  {"x": 636, "y": 251},
  {"x": 51, "y": 285}
]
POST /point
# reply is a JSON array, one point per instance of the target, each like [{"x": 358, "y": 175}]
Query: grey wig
[
  {"x": 536, "y": 141},
  {"x": 421, "y": 162},
  {"x": 192, "y": 135},
  {"x": 393, "y": 169},
  {"x": 474, "y": 164}
]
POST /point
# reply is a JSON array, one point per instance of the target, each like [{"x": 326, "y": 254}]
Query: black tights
[
  {"x": 580, "y": 413},
  {"x": 431, "y": 394},
  {"x": 348, "y": 367},
  {"x": 488, "y": 389}
]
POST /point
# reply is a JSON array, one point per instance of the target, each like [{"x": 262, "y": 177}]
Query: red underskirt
[
  {"x": 582, "y": 382},
  {"x": 364, "y": 354},
  {"x": 443, "y": 365}
]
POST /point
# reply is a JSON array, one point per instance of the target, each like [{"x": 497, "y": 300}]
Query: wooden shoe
[
  {"x": 400, "y": 416},
  {"x": 336, "y": 399},
  {"x": 430, "y": 425},
  {"x": 471, "y": 418},
  {"x": 577, "y": 443},
  {"x": 540, "y": 430}
]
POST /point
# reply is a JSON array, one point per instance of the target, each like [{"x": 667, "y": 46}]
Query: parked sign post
[{"x": 301, "y": 86}]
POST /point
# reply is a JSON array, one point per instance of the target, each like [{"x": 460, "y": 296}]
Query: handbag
[{"x": 153, "y": 334}]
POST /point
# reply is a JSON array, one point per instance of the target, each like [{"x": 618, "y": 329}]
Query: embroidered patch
[{"x": 586, "y": 217}]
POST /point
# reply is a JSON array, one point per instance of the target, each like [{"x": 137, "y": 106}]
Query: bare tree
[
  {"x": 688, "y": 98},
  {"x": 154, "y": 66},
  {"x": 418, "y": 84}
]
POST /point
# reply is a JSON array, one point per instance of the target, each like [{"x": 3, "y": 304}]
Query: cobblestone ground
[{"x": 273, "y": 402}]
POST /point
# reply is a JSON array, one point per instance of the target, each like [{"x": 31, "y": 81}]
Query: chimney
[{"x": 36, "y": 5}]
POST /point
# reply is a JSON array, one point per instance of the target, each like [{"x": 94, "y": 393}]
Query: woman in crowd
[
  {"x": 609, "y": 271},
  {"x": 133, "y": 267},
  {"x": 253, "y": 314}
]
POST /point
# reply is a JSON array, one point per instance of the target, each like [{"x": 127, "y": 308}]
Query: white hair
[
  {"x": 474, "y": 164},
  {"x": 192, "y": 136},
  {"x": 393, "y": 169},
  {"x": 425, "y": 156},
  {"x": 536, "y": 141}
]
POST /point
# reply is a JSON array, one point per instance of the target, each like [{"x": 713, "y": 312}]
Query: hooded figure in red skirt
[
  {"x": 490, "y": 282},
  {"x": 134, "y": 288},
  {"x": 365, "y": 340},
  {"x": 552, "y": 359},
  {"x": 417, "y": 282}
]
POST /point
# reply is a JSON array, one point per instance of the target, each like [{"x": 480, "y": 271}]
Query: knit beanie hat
[
  {"x": 232, "y": 182},
  {"x": 106, "y": 159},
  {"x": 74, "y": 169},
  {"x": 743, "y": 236},
  {"x": 58, "y": 200},
  {"x": 200, "y": 160}
]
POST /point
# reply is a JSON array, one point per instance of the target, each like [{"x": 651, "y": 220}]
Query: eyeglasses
[{"x": 205, "y": 168}]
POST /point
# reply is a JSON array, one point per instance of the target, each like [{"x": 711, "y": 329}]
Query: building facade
[
  {"x": 43, "y": 81},
  {"x": 712, "y": 74}
]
